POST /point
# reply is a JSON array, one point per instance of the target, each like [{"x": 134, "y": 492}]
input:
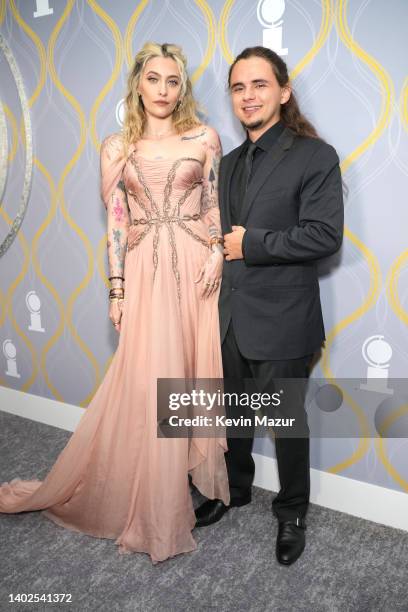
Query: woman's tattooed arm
[
  {"x": 118, "y": 227},
  {"x": 209, "y": 198}
]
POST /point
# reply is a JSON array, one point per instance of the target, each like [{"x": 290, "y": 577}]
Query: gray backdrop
[{"x": 348, "y": 69}]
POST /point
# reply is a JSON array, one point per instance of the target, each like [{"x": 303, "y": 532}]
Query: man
[{"x": 282, "y": 211}]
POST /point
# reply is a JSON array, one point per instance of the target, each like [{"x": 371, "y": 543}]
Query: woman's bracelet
[
  {"x": 216, "y": 240},
  {"x": 116, "y": 293},
  {"x": 112, "y": 277}
]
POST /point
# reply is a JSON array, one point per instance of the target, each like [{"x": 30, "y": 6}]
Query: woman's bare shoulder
[
  {"x": 200, "y": 132},
  {"x": 113, "y": 140},
  {"x": 113, "y": 144}
]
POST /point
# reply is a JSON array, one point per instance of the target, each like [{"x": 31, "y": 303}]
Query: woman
[{"x": 115, "y": 478}]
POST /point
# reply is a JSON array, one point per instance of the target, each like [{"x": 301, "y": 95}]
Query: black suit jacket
[{"x": 293, "y": 215}]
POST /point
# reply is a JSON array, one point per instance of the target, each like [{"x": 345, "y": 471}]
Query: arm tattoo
[
  {"x": 118, "y": 210},
  {"x": 119, "y": 248},
  {"x": 121, "y": 186},
  {"x": 209, "y": 199},
  {"x": 214, "y": 232},
  {"x": 193, "y": 137}
]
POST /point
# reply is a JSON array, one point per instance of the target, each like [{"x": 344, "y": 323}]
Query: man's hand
[{"x": 233, "y": 243}]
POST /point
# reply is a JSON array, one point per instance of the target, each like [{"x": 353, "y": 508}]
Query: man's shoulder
[
  {"x": 310, "y": 147},
  {"x": 307, "y": 146}
]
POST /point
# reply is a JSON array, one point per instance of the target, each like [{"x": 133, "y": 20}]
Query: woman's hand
[
  {"x": 210, "y": 273},
  {"x": 115, "y": 313}
]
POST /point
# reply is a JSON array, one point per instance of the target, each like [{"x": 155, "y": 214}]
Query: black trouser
[{"x": 292, "y": 453}]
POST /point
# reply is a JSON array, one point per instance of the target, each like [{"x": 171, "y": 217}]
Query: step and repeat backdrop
[{"x": 63, "y": 74}]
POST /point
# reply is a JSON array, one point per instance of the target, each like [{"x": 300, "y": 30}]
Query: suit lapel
[
  {"x": 268, "y": 165},
  {"x": 227, "y": 168}
]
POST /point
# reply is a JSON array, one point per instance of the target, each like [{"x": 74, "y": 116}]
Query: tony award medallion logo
[
  {"x": 120, "y": 112},
  {"x": 269, "y": 13},
  {"x": 377, "y": 354},
  {"x": 33, "y": 304},
  {"x": 10, "y": 353}
]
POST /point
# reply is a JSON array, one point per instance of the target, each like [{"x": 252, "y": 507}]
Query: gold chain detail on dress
[
  {"x": 155, "y": 250},
  {"x": 145, "y": 187},
  {"x": 165, "y": 218},
  {"x": 179, "y": 204},
  {"x": 174, "y": 259},
  {"x": 138, "y": 240},
  {"x": 170, "y": 179},
  {"x": 190, "y": 232},
  {"x": 139, "y": 202}
]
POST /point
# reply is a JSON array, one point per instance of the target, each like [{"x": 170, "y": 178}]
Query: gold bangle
[{"x": 216, "y": 240}]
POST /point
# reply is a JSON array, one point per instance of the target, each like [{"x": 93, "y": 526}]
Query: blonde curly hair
[{"x": 184, "y": 115}]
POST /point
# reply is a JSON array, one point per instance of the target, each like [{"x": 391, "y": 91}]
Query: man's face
[{"x": 256, "y": 94}]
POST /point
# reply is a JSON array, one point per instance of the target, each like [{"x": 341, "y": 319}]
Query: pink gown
[{"x": 115, "y": 478}]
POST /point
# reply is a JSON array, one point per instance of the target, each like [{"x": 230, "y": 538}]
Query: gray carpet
[{"x": 349, "y": 564}]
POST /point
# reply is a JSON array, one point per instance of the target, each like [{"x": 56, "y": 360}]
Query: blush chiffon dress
[{"x": 116, "y": 478}]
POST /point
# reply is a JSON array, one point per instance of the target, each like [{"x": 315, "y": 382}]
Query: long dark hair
[{"x": 290, "y": 113}]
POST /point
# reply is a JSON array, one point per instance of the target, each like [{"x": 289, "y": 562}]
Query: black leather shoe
[
  {"x": 213, "y": 510},
  {"x": 210, "y": 512},
  {"x": 291, "y": 541}
]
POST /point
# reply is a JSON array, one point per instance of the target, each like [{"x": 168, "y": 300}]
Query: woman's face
[{"x": 160, "y": 86}]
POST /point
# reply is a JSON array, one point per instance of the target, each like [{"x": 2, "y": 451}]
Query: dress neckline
[{"x": 169, "y": 159}]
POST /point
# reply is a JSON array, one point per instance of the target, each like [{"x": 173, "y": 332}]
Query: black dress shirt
[{"x": 264, "y": 145}]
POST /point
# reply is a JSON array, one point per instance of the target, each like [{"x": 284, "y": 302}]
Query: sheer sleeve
[
  {"x": 113, "y": 194},
  {"x": 210, "y": 211}
]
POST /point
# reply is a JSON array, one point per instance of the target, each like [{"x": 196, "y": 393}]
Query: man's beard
[{"x": 252, "y": 126}]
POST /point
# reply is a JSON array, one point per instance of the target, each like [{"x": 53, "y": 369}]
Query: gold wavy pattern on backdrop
[
  {"x": 324, "y": 31},
  {"x": 380, "y": 446},
  {"x": 392, "y": 286},
  {"x": 211, "y": 36},
  {"x": 117, "y": 67},
  {"x": 130, "y": 30},
  {"x": 404, "y": 104},
  {"x": 323, "y": 34},
  {"x": 8, "y": 299},
  {"x": 400, "y": 261},
  {"x": 211, "y": 39},
  {"x": 46, "y": 282},
  {"x": 40, "y": 49},
  {"x": 372, "y": 261},
  {"x": 51, "y": 214},
  {"x": 387, "y": 91},
  {"x": 42, "y": 57},
  {"x": 8, "y": 305},
  {"x": 119, "y": 55},
  {"x": 60, "y": 198},
  {"x": 395, "y": 302}
]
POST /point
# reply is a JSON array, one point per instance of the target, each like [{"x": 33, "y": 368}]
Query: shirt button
[{"x": 232, "y": 288}]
